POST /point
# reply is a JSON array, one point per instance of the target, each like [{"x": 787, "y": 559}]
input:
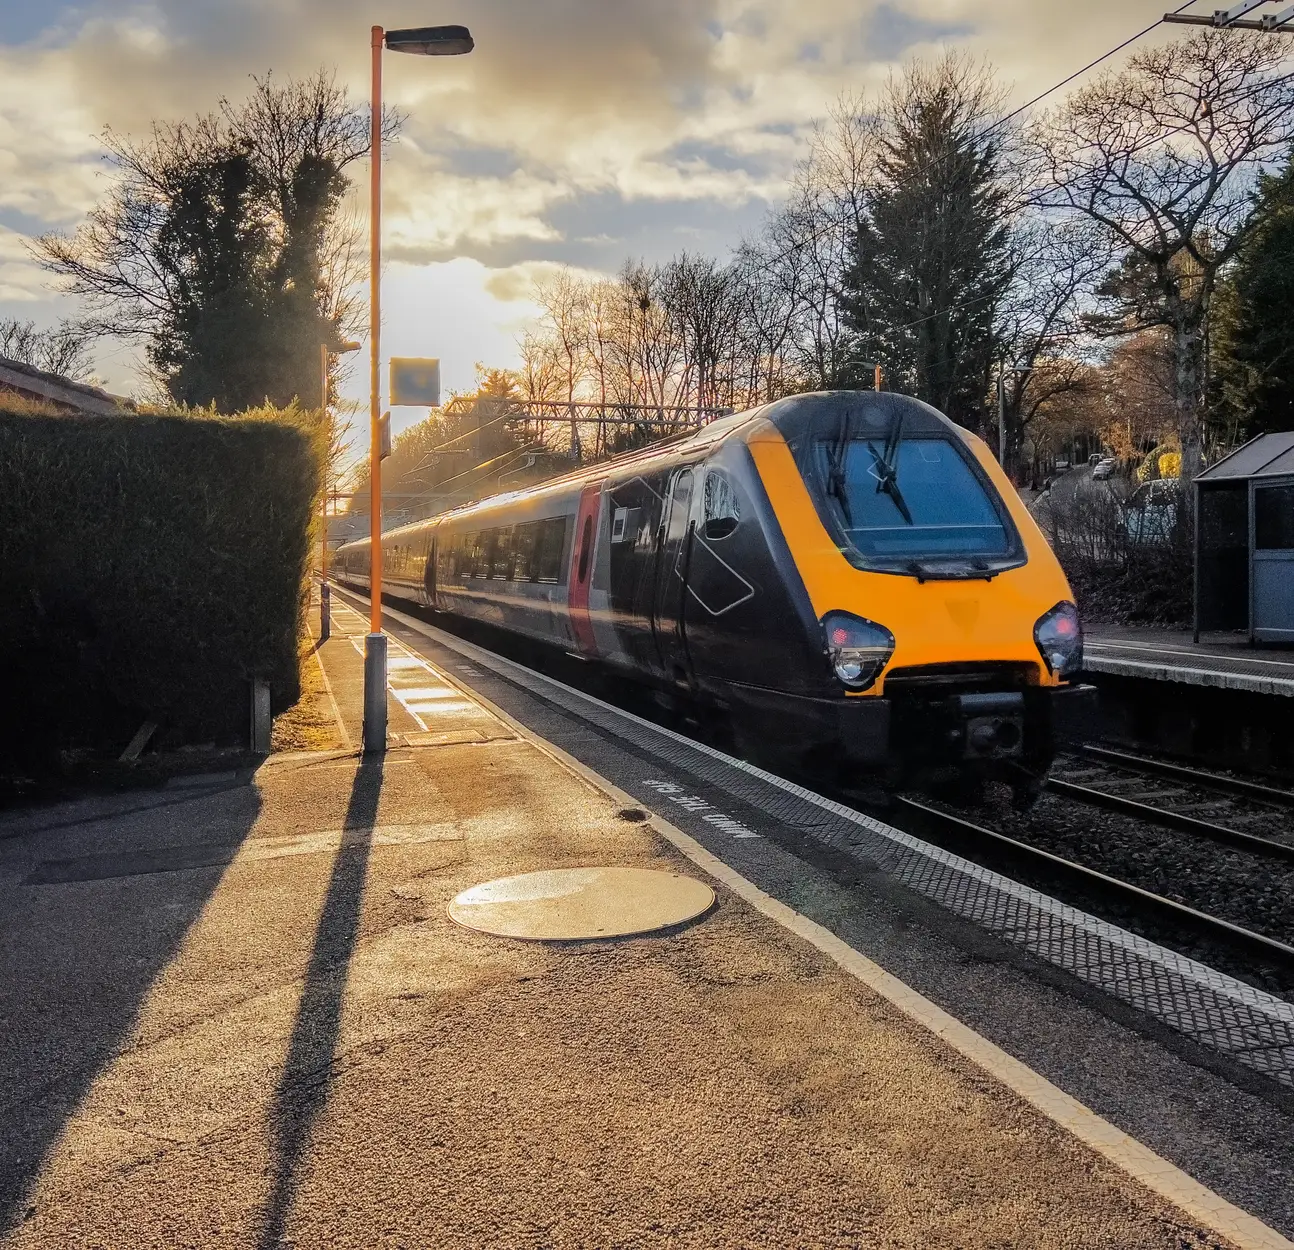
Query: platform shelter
[{"x": 1244, "y": 542}]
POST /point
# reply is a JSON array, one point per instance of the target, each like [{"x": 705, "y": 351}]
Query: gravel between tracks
[{"x": 1247, "y": 889}]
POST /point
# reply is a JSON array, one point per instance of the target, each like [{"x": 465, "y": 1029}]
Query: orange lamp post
[{"x": 421, "y": 41}]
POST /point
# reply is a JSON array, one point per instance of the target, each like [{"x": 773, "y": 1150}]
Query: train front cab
[{"x": 943, "y": 615}]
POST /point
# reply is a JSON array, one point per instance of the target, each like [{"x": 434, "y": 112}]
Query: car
[
  {"x": 1150, "y": 514},
  {"x": 1103, "y": 470}
]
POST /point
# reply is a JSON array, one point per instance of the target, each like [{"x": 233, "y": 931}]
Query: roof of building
[
  {"x": 1268, "y": 455},
  {"x": 18, "y": 376}
]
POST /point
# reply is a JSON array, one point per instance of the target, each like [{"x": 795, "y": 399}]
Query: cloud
[
  {"x": 579, "y": 130},
  {"x": 49, "y": 157},
  {"x": 21, "y": 279}
]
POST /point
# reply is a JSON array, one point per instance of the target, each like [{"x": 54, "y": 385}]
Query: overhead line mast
[{"x": 1281, "y": 23}]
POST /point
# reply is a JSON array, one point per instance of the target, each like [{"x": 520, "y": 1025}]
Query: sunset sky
[{"x": 579, "y": 131}]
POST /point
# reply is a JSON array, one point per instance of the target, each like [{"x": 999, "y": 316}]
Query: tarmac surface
[{"x": 236, "y": 1013}]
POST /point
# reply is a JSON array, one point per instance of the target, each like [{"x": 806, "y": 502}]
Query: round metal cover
[{"x": 567, "y": 904}]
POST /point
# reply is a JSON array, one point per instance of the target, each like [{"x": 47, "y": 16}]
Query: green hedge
[{"x": 150, "y": 566}]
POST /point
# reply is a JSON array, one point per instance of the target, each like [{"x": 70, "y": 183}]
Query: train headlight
[
  {"x": 1060, "y": 639},
  {"x": 857, "y": 649}
]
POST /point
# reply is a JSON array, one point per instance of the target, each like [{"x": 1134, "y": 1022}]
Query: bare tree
[
  {"x": 1055, "y": 265},
  {"x": 701, "y": 296},
  {"x": 64, "y": 349},
  {"x": 770, "y": 285},
  {"x": 1163, "y": 155}
]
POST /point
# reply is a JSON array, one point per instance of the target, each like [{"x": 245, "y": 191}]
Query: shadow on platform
[
  {"x": 82, "y": 941},
  {"x": 303, "y": 1091}
]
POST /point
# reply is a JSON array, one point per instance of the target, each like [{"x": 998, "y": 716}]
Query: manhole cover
[{"x": 572, "y": 903}]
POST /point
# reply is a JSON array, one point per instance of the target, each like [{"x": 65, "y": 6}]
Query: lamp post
[
  {"x": 421, "y": 41},
  {"x": 325, "y": 594},
  {"x": 1001, "y": 407}
]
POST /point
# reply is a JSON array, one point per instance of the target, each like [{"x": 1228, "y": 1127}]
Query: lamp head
[{"x": 431, "y": 40}]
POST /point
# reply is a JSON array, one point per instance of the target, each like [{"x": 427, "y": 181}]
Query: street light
[
  {"x": 421, "y": 41},
  {"x": 325, "y": 594},
  {"x": 1003, "y": 370}
]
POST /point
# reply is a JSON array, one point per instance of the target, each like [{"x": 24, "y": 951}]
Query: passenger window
[
  {"x": 523, "y": 552},
  {"x": 720, "y": 504},
  {"x": 552, "y": 543},
  {"x": 501, "y": 559}
]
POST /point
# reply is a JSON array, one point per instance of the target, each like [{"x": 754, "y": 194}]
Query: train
[{"x": 845, "y": 575}]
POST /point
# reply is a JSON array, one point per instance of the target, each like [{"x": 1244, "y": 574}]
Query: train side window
[
  {"x": 721, "y": 511},
  {"x": 524, "y": 543},
  {"x": 479, "y": 550},
  {"x": 552, "y": 543},
  {"x": 501, "y": 556}
]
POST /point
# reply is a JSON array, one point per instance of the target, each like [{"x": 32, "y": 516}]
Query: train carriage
[{"x": 846, "y": 572}]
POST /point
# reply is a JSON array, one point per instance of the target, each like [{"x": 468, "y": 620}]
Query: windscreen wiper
[
  {"x": 887, "y": 470},
  {"x": 837, "y": 485}
]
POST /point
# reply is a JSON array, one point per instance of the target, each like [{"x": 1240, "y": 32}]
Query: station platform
[
  {"x": 238, "y": 1013},
  {"x": 1222, "y": 661}
]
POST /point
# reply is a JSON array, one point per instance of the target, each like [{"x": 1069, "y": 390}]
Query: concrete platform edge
[
  {"x": 1188, "y": 676},
  {"x": 1153, "y": 1171}
]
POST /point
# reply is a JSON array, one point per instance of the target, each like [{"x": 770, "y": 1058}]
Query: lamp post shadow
[{"x": 303, "y": 1089}]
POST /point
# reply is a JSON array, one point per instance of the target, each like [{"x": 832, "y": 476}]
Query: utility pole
[
  {"x": 1001, "y": 419},
  {"x": 1281, "y": 23},
  {"x": 1001, "y": 407}
]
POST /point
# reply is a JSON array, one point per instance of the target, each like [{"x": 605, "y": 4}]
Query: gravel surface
[
  {"x": 1247, "y": 889},
  {"x": 1201, "y": 801}
]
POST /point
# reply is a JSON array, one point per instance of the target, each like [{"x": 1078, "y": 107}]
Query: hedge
[{"x": 150, "y": 566}]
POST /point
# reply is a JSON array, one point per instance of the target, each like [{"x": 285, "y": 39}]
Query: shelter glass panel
[{"x": 1274, "y": 518}]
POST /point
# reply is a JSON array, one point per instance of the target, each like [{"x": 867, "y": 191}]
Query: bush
[
  {"x": 149, "y": 567},
  {"x": 1126, "y": 565}
]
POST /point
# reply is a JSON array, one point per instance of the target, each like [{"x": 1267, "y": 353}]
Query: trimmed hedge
[{"x": 150, "y": 566}]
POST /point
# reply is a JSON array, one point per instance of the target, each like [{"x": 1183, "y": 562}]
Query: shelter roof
[{"x": 1268, "y": 455}]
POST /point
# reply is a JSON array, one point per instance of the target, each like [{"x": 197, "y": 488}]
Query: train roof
[{"x": 793, "y": 417}]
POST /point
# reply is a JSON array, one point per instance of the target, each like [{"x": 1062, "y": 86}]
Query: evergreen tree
[
  {"x": 931, "y": 259},
  {"x": 221, "y": 245},
  {"x": 1253, "y": 335}
]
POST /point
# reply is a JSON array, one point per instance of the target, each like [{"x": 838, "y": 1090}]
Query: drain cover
[{"x": 572, "y": 903}]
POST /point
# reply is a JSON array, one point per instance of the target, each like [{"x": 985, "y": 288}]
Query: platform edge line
[{"x": 1153, "y": 1171}]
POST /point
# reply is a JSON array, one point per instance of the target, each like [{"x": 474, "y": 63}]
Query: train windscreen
[{"x": 903, "y": 504}]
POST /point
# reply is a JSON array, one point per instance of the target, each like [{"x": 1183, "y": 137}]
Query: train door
[
  {"x": 668, "y": 622},
  {"x": 429, "y": 571},
  {"x": 581, "y": 571}
]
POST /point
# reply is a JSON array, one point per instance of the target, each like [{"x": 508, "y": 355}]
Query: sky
[{"x": 578, "y": 132}]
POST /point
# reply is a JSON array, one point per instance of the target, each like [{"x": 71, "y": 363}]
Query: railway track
[
  {"x": 1047, "y": 869},
  {"x": 1227, "y": 810}
]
